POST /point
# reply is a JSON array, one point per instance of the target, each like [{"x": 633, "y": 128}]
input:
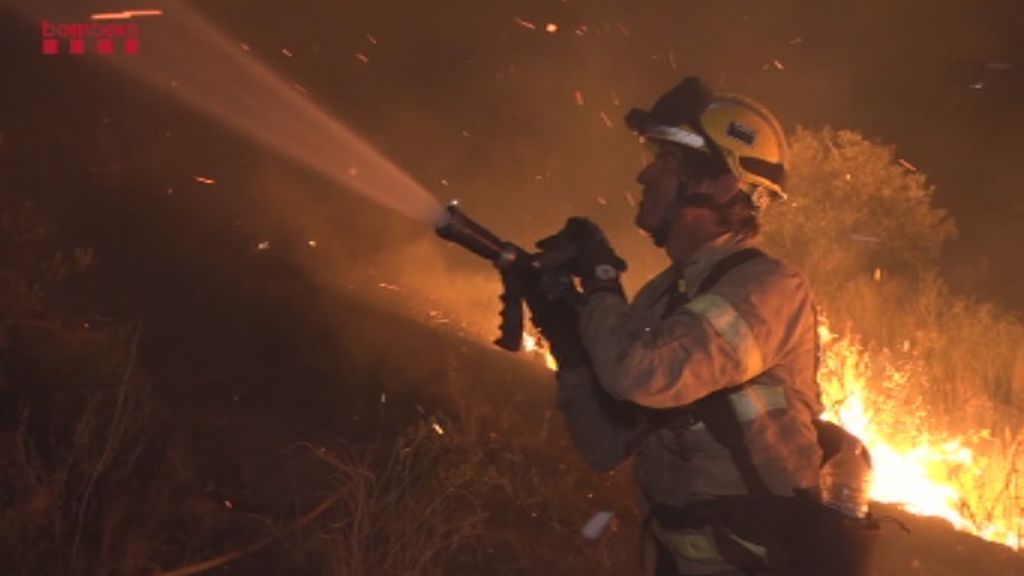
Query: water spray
[{"x": 185, "y": 56}]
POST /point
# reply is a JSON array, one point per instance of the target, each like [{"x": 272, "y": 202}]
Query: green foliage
[
  {"x": 863, "y": 228},
  {"x": 853, "y": 208}
]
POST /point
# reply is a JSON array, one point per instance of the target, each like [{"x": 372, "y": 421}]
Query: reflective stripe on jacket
[{"x": 756, "y": 325}]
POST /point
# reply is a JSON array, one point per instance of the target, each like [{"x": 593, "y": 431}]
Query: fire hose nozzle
[
  {"x": 465, "y": 232},
  {"x": 520, "y": 270},
  {"x": 459, "y": 228}
]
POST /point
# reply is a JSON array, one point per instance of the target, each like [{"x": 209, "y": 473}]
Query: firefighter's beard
[{"x": 661, "y": 232}]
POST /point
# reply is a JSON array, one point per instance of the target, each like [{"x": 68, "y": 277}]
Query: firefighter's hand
[
  {"x": 552, "y": 305},
  {"x": 596, "y": 263}
]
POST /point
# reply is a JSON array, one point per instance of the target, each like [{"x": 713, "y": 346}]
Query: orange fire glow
[
  {"x": 537, "y": 347},
  {"x": 969, "y": 479}
]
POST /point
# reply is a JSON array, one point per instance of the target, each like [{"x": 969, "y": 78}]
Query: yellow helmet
[{"x": 743, "y": 133}]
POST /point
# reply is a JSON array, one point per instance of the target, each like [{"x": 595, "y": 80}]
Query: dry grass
[
  {"x": 407, "y": 515},
  {"x": 67, "y": 514}
]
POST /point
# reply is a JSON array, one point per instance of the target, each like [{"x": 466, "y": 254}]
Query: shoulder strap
[
  {"x": 727, "y": 264},
  {"x": 726, "y": 429},
  {"x": 721, "y": 268},
  {"x": 717, "y": 414},
  {"x": 716, "y": 410}
]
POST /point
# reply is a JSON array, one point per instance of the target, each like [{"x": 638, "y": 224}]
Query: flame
[
  {"x": 537, "y": 347},
  {"x": 964, "y": 478}
]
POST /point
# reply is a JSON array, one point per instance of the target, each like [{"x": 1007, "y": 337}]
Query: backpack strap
[
  {"x": 727, "y": 264},
  {"x": 716, "y": 412},
  {"x": 719, "y": 269}
]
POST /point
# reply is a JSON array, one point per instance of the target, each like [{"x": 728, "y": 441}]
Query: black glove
[
  {"x": 596, "y": 264},
  {"x": 552, "y": 302}
]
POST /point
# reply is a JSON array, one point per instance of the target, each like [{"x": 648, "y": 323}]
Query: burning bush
[{"x": 930, "y": 379}]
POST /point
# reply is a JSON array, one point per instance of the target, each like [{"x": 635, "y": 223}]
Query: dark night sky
[{"x": 943, "y": 82}]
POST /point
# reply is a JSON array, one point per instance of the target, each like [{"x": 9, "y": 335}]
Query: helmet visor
[{"x": 679, "y": 134}]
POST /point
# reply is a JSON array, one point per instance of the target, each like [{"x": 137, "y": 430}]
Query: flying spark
[
  {"x": 524, "y": 23},
  {"x": 906, "y": 165},
  {"x": 125, "y": 14}
]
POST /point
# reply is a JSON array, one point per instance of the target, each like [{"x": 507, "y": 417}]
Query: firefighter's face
[{"x": 662, "y": 180}]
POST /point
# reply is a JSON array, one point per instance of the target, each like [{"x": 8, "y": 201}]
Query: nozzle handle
[{"x": 511, "y": 326}]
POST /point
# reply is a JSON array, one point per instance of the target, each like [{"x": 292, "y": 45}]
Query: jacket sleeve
[
  {"x": 600, "y": 426},
  {"x": 722, "y": 338}
]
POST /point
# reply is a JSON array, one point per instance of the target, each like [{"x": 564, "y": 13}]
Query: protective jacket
[{"x": 753, "y": 332}]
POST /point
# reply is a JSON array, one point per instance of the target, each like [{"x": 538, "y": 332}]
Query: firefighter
[{"x": 708, "y": 377}]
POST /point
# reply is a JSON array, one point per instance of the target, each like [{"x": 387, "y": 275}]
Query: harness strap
[
  {"x": 677, "y": 298},
  {"x": 724, "y": 414},
  {"x": 723, "y": 266}
]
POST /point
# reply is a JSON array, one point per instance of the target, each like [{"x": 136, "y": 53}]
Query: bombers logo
[
  {"x": 742, "y": 133},
  {"x": 95, "y": 37}
]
